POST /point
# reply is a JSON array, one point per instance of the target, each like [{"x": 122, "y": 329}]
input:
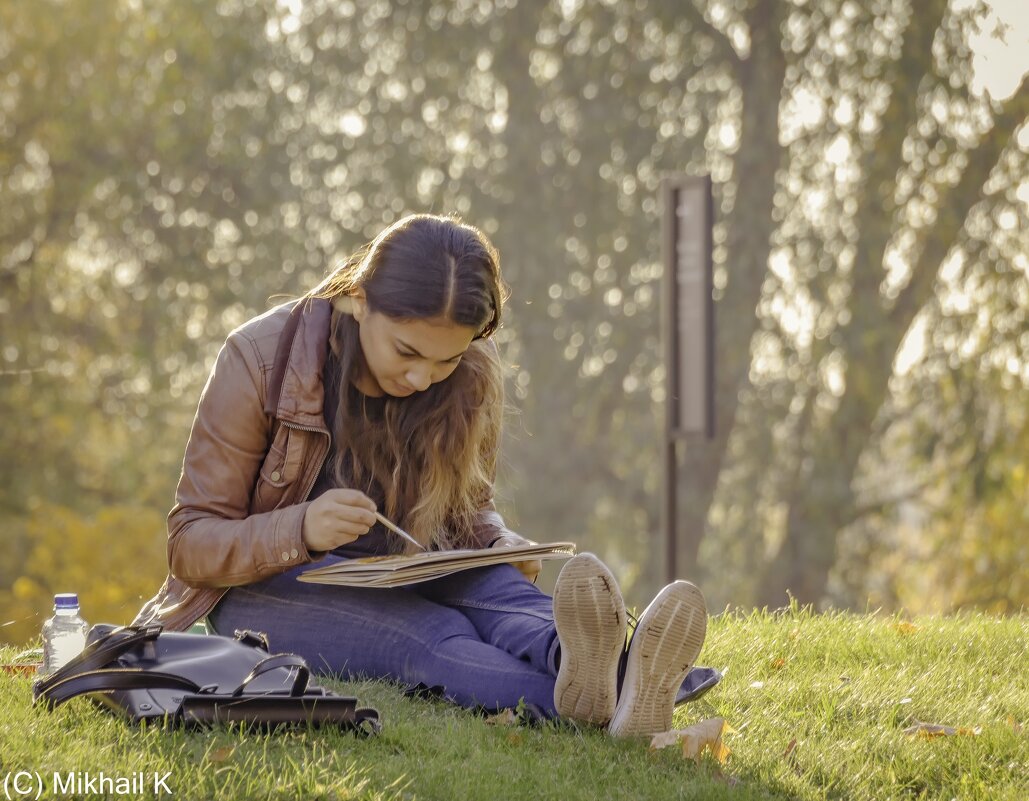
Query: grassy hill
[{"x": 819, "y": 704}]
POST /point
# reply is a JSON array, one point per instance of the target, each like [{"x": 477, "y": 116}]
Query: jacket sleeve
[
  {"x": 212, "y": 542},
  {"x": 489, "y": 526}
]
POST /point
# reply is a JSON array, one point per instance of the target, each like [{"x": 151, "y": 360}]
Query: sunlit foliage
[
  {"x": 105, "y": 558},
  {"x": 168, "y": 168}
]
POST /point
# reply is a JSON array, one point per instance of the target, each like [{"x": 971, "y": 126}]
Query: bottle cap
[{"x": 66, "y": 600}]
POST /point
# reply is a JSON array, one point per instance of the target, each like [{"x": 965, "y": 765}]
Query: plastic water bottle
[{"x": 64, "y": 635}]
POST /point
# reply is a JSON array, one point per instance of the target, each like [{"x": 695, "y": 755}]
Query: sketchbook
[{"x": 398, "y": 570}]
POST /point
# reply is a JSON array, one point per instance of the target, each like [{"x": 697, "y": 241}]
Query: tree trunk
[{"x": 824, "y": 503}]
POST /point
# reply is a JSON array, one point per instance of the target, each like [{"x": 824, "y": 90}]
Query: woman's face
[{"x": 405, "y": 357}]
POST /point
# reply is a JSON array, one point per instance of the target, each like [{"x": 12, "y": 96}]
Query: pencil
[{"x": 397, "y": 530}]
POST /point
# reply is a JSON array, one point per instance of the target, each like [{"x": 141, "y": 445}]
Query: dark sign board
[{"x": 689, "y": 312}]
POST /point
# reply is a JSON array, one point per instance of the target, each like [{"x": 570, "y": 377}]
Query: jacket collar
[{"x": 296, "y": 393}]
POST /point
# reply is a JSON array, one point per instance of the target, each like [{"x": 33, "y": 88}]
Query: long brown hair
[{"x": 433, "y": 454}]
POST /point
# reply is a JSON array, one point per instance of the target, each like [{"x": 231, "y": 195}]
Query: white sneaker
[
  {"x": 664, "y": 647},
  {"x": 591, "y": 623}
]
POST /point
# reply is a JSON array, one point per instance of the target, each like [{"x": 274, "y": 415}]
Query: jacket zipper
[
  {"x": 298, "y": 427},
  {"x": 288, "y": 424}
]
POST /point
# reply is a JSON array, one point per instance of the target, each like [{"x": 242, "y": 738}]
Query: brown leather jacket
[{"x": 256, "y": 448}]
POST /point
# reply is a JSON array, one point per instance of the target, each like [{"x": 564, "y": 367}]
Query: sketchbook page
[
  {"x": 383, "y": 581},
  {"x": 409, "y": 569},
  {"x": 380, "y": 564},
  {"x": 401, "y": 577},
  {"x": 414, "y": 567}
]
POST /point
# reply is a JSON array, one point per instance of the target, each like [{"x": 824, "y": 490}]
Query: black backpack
[{"x": 198, "y": 680}]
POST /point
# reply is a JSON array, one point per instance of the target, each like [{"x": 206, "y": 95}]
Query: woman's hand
[
  {"x": 531, "y": 568},
  {"x": 337, "y": 517}
]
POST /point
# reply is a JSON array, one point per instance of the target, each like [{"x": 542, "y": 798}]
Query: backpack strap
[
  {"x": 112, "y": 679},
  {"x": 98, "y": 654},
  {"x": 278, "y": 661},
  {"x": 366, "y": 720}
]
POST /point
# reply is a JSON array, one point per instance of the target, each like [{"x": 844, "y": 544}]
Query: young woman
[{"x": 382, "y": 390}]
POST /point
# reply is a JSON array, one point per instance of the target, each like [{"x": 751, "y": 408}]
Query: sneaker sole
[
  {"x": 664, "y": 647},
  {"x": 590, "y": 618}
]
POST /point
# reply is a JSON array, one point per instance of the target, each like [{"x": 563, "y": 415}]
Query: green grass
[{"x": 843, "y": 686}]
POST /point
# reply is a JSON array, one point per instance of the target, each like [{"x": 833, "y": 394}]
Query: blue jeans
[{"x": 485, "y": 635}]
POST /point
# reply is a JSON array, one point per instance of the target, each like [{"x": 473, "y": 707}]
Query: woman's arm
[
  {"x": 492, "y": 532},
  {"x": 212, "y": 542}
]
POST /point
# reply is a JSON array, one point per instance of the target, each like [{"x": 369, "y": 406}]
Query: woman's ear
[{"x": 359, "y": 304}]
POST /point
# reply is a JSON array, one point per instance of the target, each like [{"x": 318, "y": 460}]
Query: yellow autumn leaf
[
  {"x": 695, "y": 739},
  {"x": 221, "y": 754},
  {"x": 903, "y": 627},
  {"x": 505, "y": 717},
  {"x": 929, "y": 730}
]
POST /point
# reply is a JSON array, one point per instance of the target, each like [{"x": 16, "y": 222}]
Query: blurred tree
[
  {"x": 125, "y": 181},
  {"x": 849, "y": 149},
  {"x": 167, "y": 168},
  {"x": 951, "y": 532},
  {"x": 912, "y": 151}
]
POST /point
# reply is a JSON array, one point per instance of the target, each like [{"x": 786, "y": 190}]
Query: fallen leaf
[
  {"x": 930, "y": 730},
  {"x": 903, "y": 627},
  {"x": 514, "y": 738},
  {"x": 29, "y": 669},
  {"x": 695, "y": 739},
  {"x": 221, "y": 754},
  {"x": 1014, "y": 724},
  {"x": 505, "y": 717},
  {"x": 790, "y": 757},
  {"x": 779, "y": 663},
  {"x": 664, "y": 739}
]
